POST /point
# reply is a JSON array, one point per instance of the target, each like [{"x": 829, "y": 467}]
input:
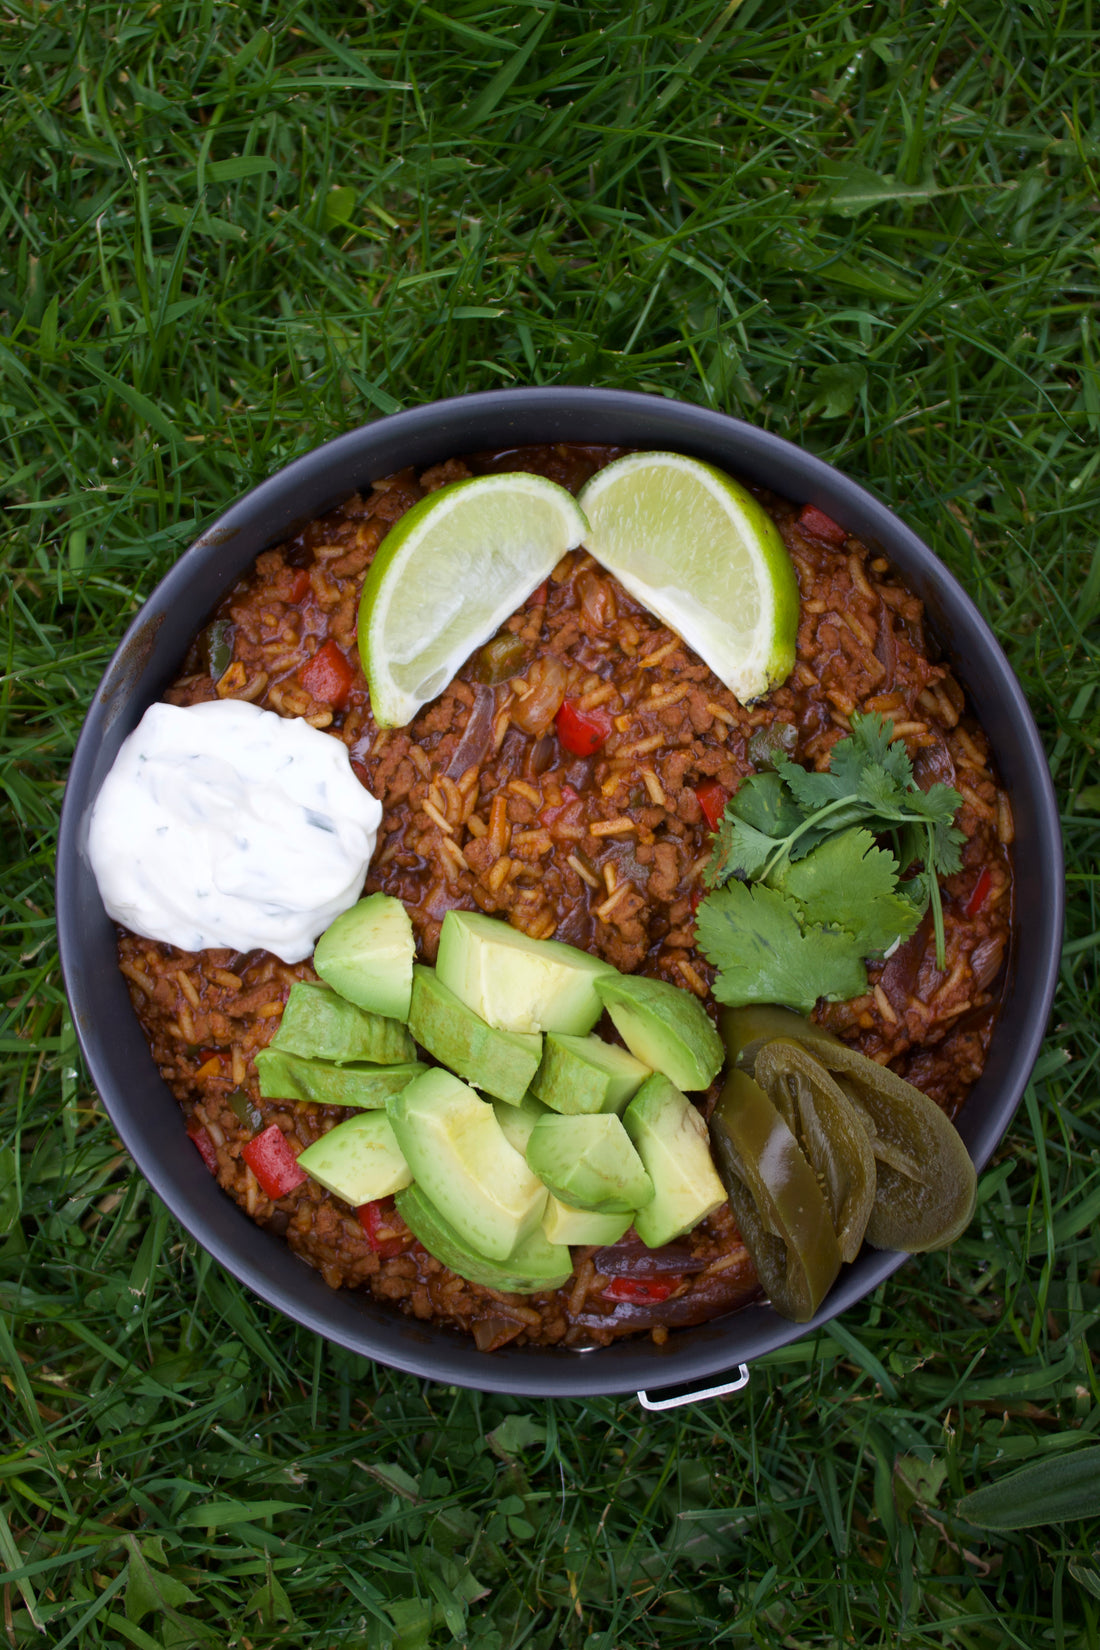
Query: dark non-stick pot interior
[{"x": 145, "y": 1113}]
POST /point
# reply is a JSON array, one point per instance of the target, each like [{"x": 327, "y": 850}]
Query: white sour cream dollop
[{"x": 225, "y": 825}]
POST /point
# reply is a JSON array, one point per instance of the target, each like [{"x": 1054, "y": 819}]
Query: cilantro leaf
[
  {"x": 851, "y": 884},
  {"x": 917, "y": 889},
  {"x": 755, "y": 938},
  {"x": 880, "y": 792},
  {"x": 740, "y": 851},
  {"x": 814, "y": 790},
  {"x": 807, "y": 840},
  {"x": 756, "y": 816},
  {"x": 873, "y": 738},
  {"x": 762, "y": 802},
  {"x": 947, "y": 841},
  {"x": 827, "y": 798}
]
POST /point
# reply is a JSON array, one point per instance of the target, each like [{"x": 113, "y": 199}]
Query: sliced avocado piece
[
  {"x": 535, "y": 1263},
  {"x": 457, "y": 1152},
  {"x": 518, "y": 1121},
  {"x": 359, "y": 1160},
  {"x": 565, "y": 1225},
  {"x": 664, "y": 1027},
  {"x": 286, "y": 1076},
  {"x": 367, "y": 956},
  {"x": 514, "y": 982},
  {"x": 589, "y": 1163},
  {"x": 585, "y": 1074},
  {"x": 500, "y": 1062},
  {"x": 673, "y": 1143},
  {"x": 322, "y": 1025}
]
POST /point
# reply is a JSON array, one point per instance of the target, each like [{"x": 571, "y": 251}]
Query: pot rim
[{"x": 143, "y": 664}]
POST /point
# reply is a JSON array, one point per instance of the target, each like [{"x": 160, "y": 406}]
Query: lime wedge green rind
[
  {"x": 448, "y": 574},
  {"x": 701, "y": 553}
]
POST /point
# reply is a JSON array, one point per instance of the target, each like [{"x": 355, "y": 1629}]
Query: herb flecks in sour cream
[{"x": 221, "y": 824}]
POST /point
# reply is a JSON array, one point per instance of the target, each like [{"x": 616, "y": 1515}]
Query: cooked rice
[{"x": 603, "y": 852}]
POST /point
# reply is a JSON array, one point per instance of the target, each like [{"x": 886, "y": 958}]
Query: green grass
[{"x": 232, "y": 230}]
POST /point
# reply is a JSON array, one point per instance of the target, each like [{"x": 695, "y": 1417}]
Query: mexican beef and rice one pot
[{"x": 485, "y": 808}]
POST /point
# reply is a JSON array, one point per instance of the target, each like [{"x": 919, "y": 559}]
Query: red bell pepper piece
[
  {"x": 538, "y": 597},
  {"x": 979, "y": 893},
  {"x": 582, "y": 732},
  {"x": 376, "y": 1220},
  {"x": 640, "y": 1289},
  {"x": 272, "y": 1162},
  {"x": 299, "y": 584},
  {"x": 204, "y": 1145},
  {"x": 328, "y": 676},
  {"x": 820, "y": 526},
  {"x": 550, "y": 811},
  {"x": 712, "y": 799}
]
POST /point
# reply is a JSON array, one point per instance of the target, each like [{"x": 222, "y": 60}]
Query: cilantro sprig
[{"x": 826, "y": 852}]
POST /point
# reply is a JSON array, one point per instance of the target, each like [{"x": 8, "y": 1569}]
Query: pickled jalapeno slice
[
  {"x": 779, "y": 1207},
  {"x": 830, "y": 1131},
  {"x": 926, "y": 1182},
  {"x": 745, "y": 1030}
]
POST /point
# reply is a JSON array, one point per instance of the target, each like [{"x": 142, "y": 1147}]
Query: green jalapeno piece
[
  {"x": 926, "y": 1182},
  {"x": 772, "y": 745},
  {"x": 245, "y": 1109},
  {"x": 830, "y": 1131},
  {"x": 216, "y": 647},
  {"x": 779, "y": 1207},
  {"x": 500, "y": 659},
  {"x": 745, "y": 1030}
]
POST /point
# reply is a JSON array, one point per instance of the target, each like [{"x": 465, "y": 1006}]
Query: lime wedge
[
  {"x": 699, "y": 551},
  {"x": 447, "y": 575}
]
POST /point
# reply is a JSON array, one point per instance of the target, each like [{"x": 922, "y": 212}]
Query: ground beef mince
[{"x": 485, "y": 809}]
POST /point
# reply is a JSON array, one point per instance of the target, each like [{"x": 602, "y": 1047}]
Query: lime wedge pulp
[
  {"x": 701, "y": 553},
  {"x": 447, "y": 575}
]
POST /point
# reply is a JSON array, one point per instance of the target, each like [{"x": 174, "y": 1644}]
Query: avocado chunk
[
  {"x": 367, "y": 956},
  {"x": 286, "y": 1076},
  {"x": 500, "y": 1062},
  {"x": 458, "y": 1154},
  {"x": 322, "y": 1025},
  {"x": 672, "y": 1142},
  {"x": 585, "y": 1074},
  {"x": 359, "y": 1160},
  {"x": 514, "y": 982},
  {"x": 565, "y": 1225},
  {"x": 518, "y": 1121},
  {"x": 665, "y": 1028},
  {"x": 535, "y": 1263},
  {"x": 589, "y": 1163}
]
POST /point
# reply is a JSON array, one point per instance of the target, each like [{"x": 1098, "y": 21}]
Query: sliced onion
[
  {"x": 933, "y": 765},
  {"x": 886, "y": 648},
  {"x": 986, "y": 959},
  {"x": 471, "y": 749},
  {"x": 899, "y": 977},
  {"x": 493, "y": 1332},
  {"x": 545, "y": 681},
  {"x": 634, "y": 1260},
  {"x": 721, "y": 1293},
  {"x": 541, "y": 756}
]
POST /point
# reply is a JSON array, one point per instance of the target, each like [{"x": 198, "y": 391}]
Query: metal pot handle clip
[{"x": 678, "y": 1399}]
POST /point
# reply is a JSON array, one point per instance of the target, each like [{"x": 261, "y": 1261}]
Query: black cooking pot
[{"x": 152, "y": 651}]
